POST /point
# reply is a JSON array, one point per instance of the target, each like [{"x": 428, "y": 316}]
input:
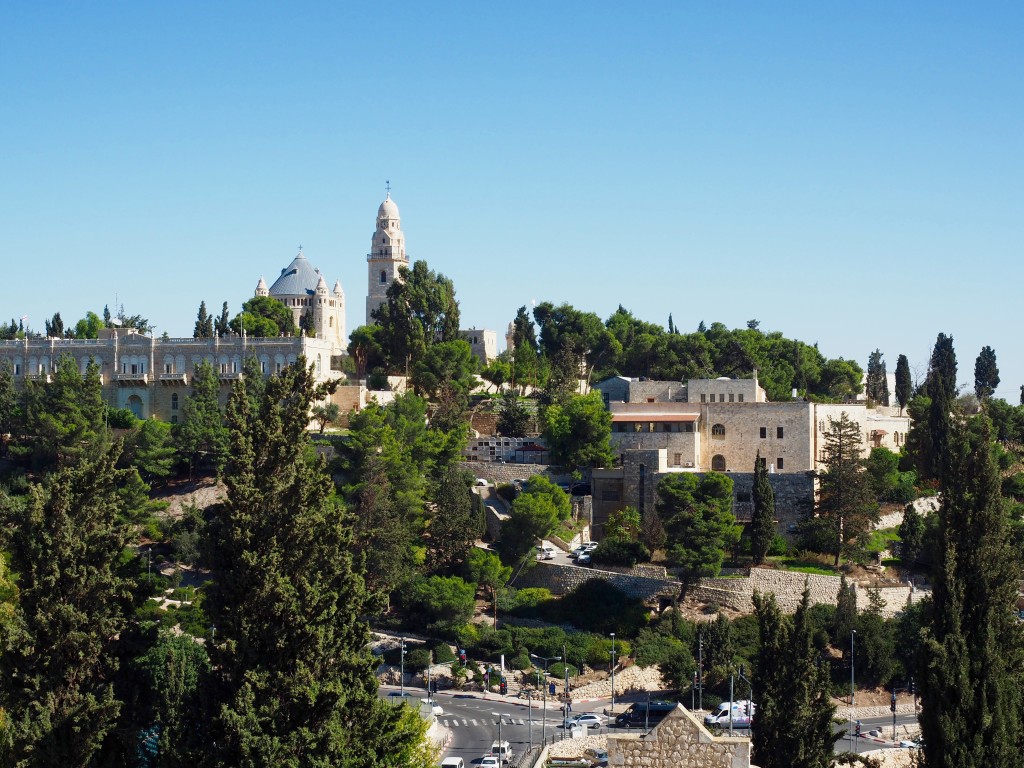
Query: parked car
[
  {"x": 583, "y": 559},
  {"x": 453, "y": 762},
  {"x": 490, "y": 761},
  {"x": 596, "y": 756},
  {"x": 586, "y": 720},
  {"x": 545, "y": 552}
]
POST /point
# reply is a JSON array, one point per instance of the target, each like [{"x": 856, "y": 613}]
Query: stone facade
[
  {"x": 484, "y": 343},
  {"x": 635, "y": 481},
  {"x": 561, "y": 579},
  {"x": 678, "y": 741},
  {"x": 152, "y": 376}
]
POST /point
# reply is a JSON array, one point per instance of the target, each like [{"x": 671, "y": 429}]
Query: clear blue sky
[{"x": 851, "y": 174}]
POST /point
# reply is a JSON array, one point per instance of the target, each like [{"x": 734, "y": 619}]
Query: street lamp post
[
  {"x": 613, "y": 674},
  {"x": 544, "y": 695},
  {"x": 529, "y": 700},
  {"x": 401, "y": 680},
  {"x": 853, "y": 635},
  {"x": 502, "y": 753}
]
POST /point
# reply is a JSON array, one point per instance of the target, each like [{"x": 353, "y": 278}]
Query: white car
[
  {"x": 586, "y": 720},
  {"x": 587, "y": 548},
  {"x": 435, "y": 708},
  {"x": 490, "y": 761}
]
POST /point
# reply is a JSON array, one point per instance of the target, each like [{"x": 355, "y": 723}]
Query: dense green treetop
[
  {"x": 578, "y": 433},
  {"x": 421, "y": 310},
  {"x": 696, "y": 512},
  {"x": 264, "y": 316}
]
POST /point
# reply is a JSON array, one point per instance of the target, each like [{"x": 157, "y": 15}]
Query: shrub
[
  {"x": 779, "y": 546},
  {"x": 616, "y": 551},
  {"x": 444, "y": 603},
  {"x": 520, "y": 661},
  {"x": 443, "y": 653},
  {"x": 417, "y": 659},
  {"x": 121, "y": 418}
]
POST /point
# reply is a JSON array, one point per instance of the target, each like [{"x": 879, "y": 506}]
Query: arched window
[
  {"x": 718, "y": 463},
  {"x": 135, "y": 405},
  {"x": 718, "y": 430},
  {"x": 383, "y": 277}
]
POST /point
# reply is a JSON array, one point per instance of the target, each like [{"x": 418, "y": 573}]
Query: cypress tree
[
  {"x": 66, "y": 546},
  {"x": 293, "y": 677},
  {"x": 222, "y": 324},
  {"x": 903, "y": 383},
  {"x": 973, "y": 654},
  {"x": 876, "y": 384},
  {"x": 942, "y": 368},
  {"x": 204, "y": 323},
  {"x": 381, "y": 535},
  {"x": 986, "y": 374},
  {"x": 793, "y": 726},
  {"x": 845, "y": 619},
  {"x": 762, "y": 522}
]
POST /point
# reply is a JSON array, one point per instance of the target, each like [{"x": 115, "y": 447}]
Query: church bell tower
[{"x": 387, "y": 254}]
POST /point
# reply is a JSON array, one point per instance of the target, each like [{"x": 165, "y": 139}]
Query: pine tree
[
  {"x": 9, "y": 406},
  {"x": 204, "y": 324},
  {"x": 453, "y": 527},
  {"x": 986, "y": 374},
  {"x": 66, "y": 545},
  {"x": 201, "y": 436},
  {"x": 903, "y": 383},
  {"x": 513, "y": 416},
  {"x": 381, "y": 535},
  {"x": 294, "y": 679},
  {"x": 876, "y": 384},
  {"x": 845, "y": 502},
  {"x": 794, "y": 716},
  {"x": 973, "y": 652},
  {"x": 762, "y": 522}
]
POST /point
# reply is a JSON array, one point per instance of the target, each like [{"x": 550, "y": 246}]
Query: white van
[
  {"x": 453, "y": 762},
  {"x": 502, "y": 751},
  {"x": 742, "y": 713}
]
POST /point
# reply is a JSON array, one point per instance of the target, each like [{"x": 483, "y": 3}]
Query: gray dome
[{"x": 297, "y": 279}]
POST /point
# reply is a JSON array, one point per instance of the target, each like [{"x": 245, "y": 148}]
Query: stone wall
[
  {"x": 561, "y": 579},
  {"x": 788, "y": 587},
  {"x": 649, "y": 583},
  {"x": 678, "y": 741},
  {"x": 496, "y": 473}
]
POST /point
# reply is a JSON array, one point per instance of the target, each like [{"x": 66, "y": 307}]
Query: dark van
[{"x": 645, "y": 714}]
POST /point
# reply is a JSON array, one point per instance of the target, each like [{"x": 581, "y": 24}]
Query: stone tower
[
  {"x": 387, "y": 254},
  {"x": 303, "y": 289}
]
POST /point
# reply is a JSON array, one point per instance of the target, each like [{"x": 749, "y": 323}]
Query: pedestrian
[{"x": 568, "y": 705}]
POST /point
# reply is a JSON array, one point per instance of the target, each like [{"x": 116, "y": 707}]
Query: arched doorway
[
  {"x": 135, "y": 406},
  {"x": 718, "y": 463}
]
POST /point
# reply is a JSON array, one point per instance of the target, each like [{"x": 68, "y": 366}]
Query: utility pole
[{"x": 732, "y": 679}]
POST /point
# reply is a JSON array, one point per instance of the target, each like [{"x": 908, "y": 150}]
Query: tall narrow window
[
  {"x": 174, "y": 401},
  {"x": 779, "y": 432},
  {"x": 383, "y": 277},
  {"x": 778, "y": 463},
  {"x": 764, "y": 432}
]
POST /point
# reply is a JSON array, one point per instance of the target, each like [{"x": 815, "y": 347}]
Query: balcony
[
  {"x": 132, "y": 378},
  {"x": 229, "y": 375},
  {"x": 173, "y": 378}
]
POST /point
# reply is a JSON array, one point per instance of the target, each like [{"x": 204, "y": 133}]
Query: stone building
[
  {"x": 152, "y": 376},
  {"x": 302, "y": 288},
  {"x": 678, "y": 741},
  {"x": 722, "y": 425},
  {"x": 484, "y": 343}
]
